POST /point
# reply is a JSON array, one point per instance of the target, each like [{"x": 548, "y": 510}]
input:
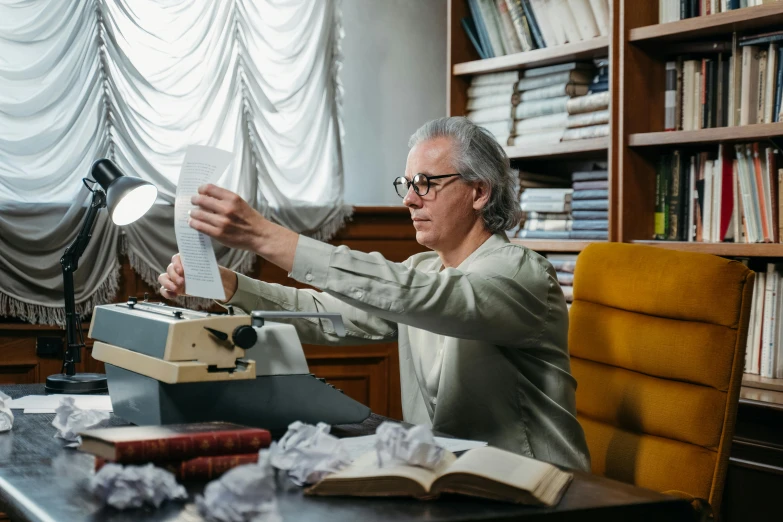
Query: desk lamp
[{"x": 127, "y": 199}]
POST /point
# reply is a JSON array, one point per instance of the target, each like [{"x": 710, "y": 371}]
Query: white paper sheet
[
  {"x": 202, "y": 165},
  {"x": 357, "y": 446},
  {"x": 49, "y": 403}
]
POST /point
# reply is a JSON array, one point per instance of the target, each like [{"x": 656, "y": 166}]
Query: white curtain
[{"x": 137, "y": 81}]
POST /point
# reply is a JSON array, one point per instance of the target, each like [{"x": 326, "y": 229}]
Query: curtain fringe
[
  {"x": 52, "y": 315},
  {"x": 331, "y": 227}
]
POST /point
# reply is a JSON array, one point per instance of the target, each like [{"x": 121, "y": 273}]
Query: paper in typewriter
[{"x": 202, "y": 165}]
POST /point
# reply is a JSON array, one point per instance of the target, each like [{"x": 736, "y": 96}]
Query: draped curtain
[{"x": 137, "y": 81}]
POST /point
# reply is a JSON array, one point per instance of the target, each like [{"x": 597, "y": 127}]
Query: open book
[{"x": 481, "y": 472}]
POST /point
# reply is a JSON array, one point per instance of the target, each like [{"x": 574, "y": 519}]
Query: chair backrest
[{"x": 657, "y": 343}]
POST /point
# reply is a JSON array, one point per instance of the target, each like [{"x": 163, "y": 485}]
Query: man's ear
[{"x": 481, "y": 193}]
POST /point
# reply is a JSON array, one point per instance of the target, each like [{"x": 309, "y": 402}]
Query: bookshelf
[{"x": 638, "y": 47}]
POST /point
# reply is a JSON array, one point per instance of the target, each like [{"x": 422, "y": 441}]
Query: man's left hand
[{"x": 225, "y": 216}]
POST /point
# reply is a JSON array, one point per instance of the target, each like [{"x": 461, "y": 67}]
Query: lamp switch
[{"x": 49, "y": 347}]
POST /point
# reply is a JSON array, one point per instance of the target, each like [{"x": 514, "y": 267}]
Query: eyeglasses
[{"x": 420, "y": 183}]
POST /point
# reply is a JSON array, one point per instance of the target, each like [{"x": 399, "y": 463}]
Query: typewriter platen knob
[{"x": 244, "y": 336}]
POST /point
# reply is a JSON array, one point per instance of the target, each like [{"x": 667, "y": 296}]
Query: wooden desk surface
[{"x": 41, "y": 481}]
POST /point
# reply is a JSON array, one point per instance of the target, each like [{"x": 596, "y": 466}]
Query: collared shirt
[{"x": 483, "y": 347}]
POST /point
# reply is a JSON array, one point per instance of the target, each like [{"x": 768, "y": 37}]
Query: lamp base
[{"x": 78, "y": 384}]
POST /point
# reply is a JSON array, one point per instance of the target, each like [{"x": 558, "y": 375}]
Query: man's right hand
[{"x": 172, "y": 283}]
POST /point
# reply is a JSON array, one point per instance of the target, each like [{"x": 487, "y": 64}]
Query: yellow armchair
[{"x": 657, "y": 342}]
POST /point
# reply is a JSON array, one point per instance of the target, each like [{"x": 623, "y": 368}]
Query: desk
[{"x": 41, "y": 481}]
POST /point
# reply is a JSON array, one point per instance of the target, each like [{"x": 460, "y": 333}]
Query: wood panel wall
[{"x": 369, "y": 374}]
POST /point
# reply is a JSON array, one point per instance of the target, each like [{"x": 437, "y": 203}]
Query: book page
[
  {"x": 366, "y": 467},
  {"x": 202, "y": 165},
  {"x": 502, "y": 466}
]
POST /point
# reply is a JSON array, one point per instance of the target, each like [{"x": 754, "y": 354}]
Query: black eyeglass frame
[{"x": 412, "y": 182}]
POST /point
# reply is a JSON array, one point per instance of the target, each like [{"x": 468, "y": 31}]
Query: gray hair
[{"x": 479, "y": 157}]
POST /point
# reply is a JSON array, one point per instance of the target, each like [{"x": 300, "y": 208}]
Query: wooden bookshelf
[
  {"x": 546, "y": 245},
  {"x": 757, "y": 132},
  {"x": 596, "y": 147},
  {"x": 638, "y": 48},
  {"x": 721, "y": 249},
  {"x": 747, "y": 19},
  {"x": 585, "y": 50}
]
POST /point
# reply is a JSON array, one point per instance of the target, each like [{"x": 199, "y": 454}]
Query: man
[{"x": 482, "y": 324}]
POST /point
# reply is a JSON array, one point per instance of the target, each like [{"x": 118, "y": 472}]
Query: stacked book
[
  {"x": 543, "y": 105},
  {"x": 547, "y": 213},
  {"x": 197, "y": 451},
  {"x": 564, "y": 265},
  {"x": 764, "y": 353},
  {"x": 500, "y": 27},
  {"x": 673, "y": 10},
  {"x": 590, "y": 204}
]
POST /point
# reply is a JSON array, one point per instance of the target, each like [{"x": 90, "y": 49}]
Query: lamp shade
[{"x": 127, "y": 198}]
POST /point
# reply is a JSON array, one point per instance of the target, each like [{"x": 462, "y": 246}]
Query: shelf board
[
  {"x": 553, "y": 245},
  {"x": 593, "y": 48},
  {"x": 724, "y": 134},
  {"x": 721, "y": 249},
  {"x": 761, "y": 398},
  {"x": 589, "y": 147},
  {"x": 746, "y": 19},
  {"x": 762, "y": 383}
]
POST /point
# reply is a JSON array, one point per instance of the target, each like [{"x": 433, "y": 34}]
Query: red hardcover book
[
  {"x": 134, "y": 444},
  {"x": 199, "y": 468}
]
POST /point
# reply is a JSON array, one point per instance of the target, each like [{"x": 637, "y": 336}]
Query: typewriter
[{"x": 167, "y": 365}]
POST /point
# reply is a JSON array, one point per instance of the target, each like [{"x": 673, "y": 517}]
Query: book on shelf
[
  {"x": 590, "y": 175},
  {"x": 501, "y": 27},
  {"x": 485, "y": 472},
  {"x": 547, "y": 224},
  {"x": 674, "y": 10},
  {"x": 764, "y": 348},
  {"x": 132, "y": 444},
  {"x": 197, "y": 468}
]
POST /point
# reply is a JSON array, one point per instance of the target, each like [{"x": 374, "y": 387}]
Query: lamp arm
[{"x": 70, "y": 263}]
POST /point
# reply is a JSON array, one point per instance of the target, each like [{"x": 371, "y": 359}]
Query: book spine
[
  {"x": 188, "y": 446},
  {"x": 588, "y": 103},
  {"x": 199, "y": 468},
  {"x": 518, "y": 20},
  {"x": 672, "y": 232},
  {"x": 778, "y": 86},
  {"x": 535, "y": 30},
  {"x": 670, "y": 95},
  {"x": 507, "y": 31}
]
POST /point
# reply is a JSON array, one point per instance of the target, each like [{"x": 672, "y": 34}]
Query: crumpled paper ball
[
  {"x": 128, "y": 487},
  {"x": 242, "y": 494},
  {"x": 70, "y": 420},
  {"x": 308, "y": 453},
  {"x": 6, "y": 415},
  {"x": 416, "y": 446}
]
